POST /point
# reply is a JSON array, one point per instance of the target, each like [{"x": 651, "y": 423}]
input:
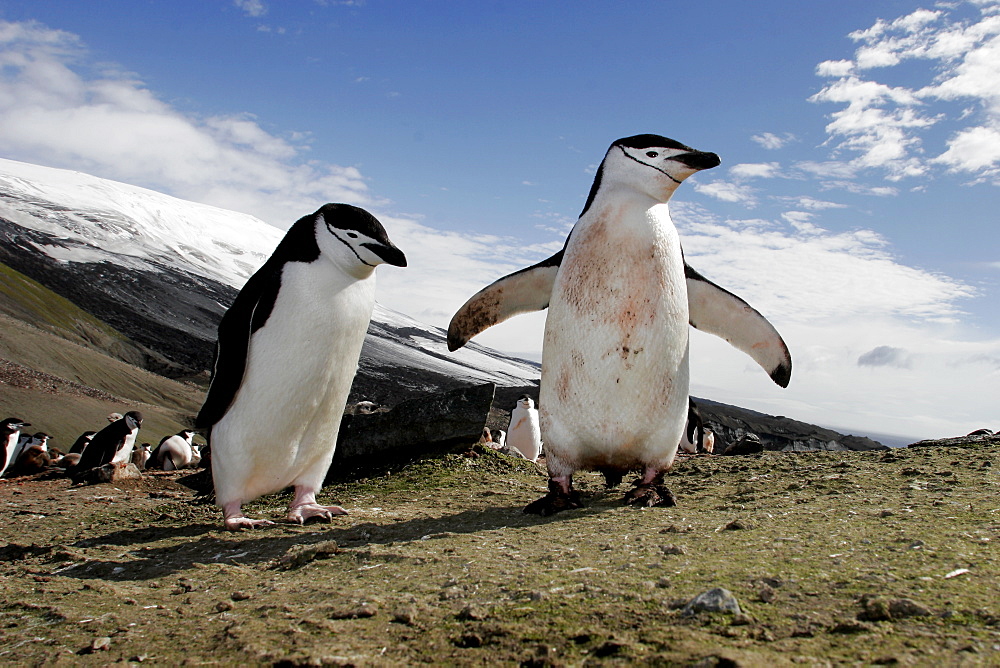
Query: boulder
[{"x": 427, "y": 423}]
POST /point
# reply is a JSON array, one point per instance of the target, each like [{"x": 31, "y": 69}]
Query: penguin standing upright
[
  {"x": 614, "y": 386},
  {"x": 523, "y": 432},
  {"x": 287, "y": 353},
  {"x": 113, "y": 444},
  {"x": 693, "y": 441},
  {"x": 10, "y": 432}
]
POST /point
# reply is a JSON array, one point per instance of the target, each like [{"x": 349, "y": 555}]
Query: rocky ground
[{"x": 854, "y": 558}]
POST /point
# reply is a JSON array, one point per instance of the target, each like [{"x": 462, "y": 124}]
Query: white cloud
[
  {"x": 886, "y": 126},
  {"x": 755, "y": 170},
  {"x": 771, "y": 141},
  {"x": 727, "y": 192},
  {"x": 113, "y": 126},
  {"x": 252, "y": 8}
]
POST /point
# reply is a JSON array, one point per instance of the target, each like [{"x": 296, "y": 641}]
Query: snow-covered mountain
[{"x": 162, "y": 271}]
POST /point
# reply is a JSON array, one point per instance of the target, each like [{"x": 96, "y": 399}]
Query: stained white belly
[
  {"x": 615, "y": 359},
  {"x": 283, "y": 424}
]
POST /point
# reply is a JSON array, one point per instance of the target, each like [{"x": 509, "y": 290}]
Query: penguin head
[
  {"x": 13, "y": 424},
  {"x": 354, "y": 240},
  {"x": 133, "y": 419},
  {"x": 525, "y": 401},
  {"x": 652, "y": 164}
]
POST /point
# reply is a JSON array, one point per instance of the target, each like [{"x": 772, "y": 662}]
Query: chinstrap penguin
[
  {"x": 81, "y": 443},
  {"x": 693, "y": 441},
  {"x": 614, "y": 386},
  {"x": 10, "y": 432},
  {"x": 111, "y": 445},
  {"x": 523, "y": 432},
  {"x": 287, "y": 354},
  {"x": 174, "y": 452}
]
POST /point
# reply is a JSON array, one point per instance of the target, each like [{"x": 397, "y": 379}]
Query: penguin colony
[
  {"x": 614, "y": 386},
  {"x": 620, "y": 297},
  {"x": 26, "y": 454}
]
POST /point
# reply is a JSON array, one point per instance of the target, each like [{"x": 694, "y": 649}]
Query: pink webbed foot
[
  {"x": 242, "y": 522},
  {"x": 300, "y": 513},
  {"x": 304, "y": 507},
  {"x": 236, "y": 520},
  {"x": 561, "y": 497}
]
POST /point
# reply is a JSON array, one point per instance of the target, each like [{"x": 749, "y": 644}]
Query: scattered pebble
[
  {"x": 672, "y": 549},
  {"x": 102, "y": 644},
  {"x": 713, "y": 600}
]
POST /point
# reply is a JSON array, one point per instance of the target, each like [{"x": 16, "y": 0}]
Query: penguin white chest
[
  {"x": 614, "y": 364},
  {"x": 300, "y": 368}
]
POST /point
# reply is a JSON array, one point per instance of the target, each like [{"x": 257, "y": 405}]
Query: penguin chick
[{"x": 286, "y": 356}]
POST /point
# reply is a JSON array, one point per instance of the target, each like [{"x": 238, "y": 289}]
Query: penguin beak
[
  {"x": 698, "y": 160},
  {"x": 389, "y": 253}
]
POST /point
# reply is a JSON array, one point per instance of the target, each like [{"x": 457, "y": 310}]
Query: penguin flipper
[
  {"x": 248, "y": 313},
  {"x": 524, "y": 291},
  {"x": 720, "y": 312}
]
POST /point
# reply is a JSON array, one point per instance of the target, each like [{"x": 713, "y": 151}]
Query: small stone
[
  {"x": 239, "y": 596},
  {"x": 470, "y": 640},
  {"x": 737, "y": 525},
  {"x": 672, "y": 549},
  {"x": 406, "y": 615},
  {"x": 223, "y": 606},
  {"x": 473, "y": 613},
  {"x": 886, "y": 513},
  {"x": 713, "y": 600},
  {"x": 100, "y": 644},
  {"x": 766, "y": 594}
]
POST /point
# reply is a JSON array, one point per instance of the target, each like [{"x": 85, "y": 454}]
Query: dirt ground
[{"x": 873, "y": 558}]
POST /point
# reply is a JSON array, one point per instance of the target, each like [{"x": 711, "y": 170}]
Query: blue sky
[{"x": 856, "y": 206}]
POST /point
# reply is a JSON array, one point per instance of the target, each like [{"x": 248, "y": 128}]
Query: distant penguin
[
  {"x": 486, "y": 438},
  {"x": 195, "y": 456},
  {"x": 10, "y": 433},
  {"x": 614, "y": 385},
  {"x": 523, "y": 432},
  {"x": 174, "y": 452},
  {"x": 708, "y": 440},
  {"x": 113, "y": 444},
  {"x": 499, "y": 438},
  {"x": 81, "y": 442},
  {"x": 141, "y": 455},
  {"x": 694, "y": 431},
  {"x": 287, "y": 354}
]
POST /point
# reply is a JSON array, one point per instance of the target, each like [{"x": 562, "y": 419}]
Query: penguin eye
[{"x": 651, "y": 154}]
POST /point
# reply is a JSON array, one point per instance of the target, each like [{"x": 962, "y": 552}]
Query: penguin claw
[
  {"x": 648, "y": 495},
  {"x": 299, "y": 514},
  {"x": 241, "y": 522}
]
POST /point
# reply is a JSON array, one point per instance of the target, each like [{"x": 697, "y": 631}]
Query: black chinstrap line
[
  {"x": 631, "y": 157},
  {"x": 337, "y": 237}
]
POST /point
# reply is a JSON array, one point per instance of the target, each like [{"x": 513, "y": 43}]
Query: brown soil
[{"x": 835, "y": 558}]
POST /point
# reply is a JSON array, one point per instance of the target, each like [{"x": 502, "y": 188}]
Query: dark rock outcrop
[
  {"x": 732, "y": 426},
  {"x": 958, "y": 441},
  {"x": 424, "y": 424}
]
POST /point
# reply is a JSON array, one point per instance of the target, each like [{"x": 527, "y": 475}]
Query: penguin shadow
[{"x": 261, "y": 548}]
